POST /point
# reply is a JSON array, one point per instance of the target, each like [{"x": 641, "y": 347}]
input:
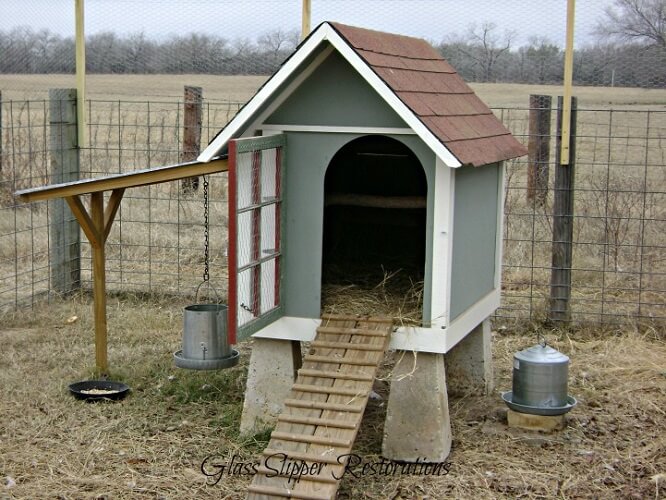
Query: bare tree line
[
  {"x": 27, "y": 51},
  {"x": 630, "y": 51}
]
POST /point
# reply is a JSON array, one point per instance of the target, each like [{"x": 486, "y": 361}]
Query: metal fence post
[
  {"x": 563, "y": 219},
  {"x": 65, "y": 236}
]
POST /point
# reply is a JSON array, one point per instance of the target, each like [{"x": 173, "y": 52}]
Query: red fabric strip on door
[
  {"x": 278, "y": 208},
  {"x": 256, "y": 234}
]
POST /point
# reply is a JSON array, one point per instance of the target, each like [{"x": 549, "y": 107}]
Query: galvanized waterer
[{"x": 540, "y": 382}]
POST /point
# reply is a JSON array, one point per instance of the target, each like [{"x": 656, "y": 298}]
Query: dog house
[{"x": 363, "y": 148}]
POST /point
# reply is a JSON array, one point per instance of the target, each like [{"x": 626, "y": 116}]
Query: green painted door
[{"x": 255, "y": 233}]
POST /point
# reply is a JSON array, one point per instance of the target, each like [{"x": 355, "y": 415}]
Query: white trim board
[
  {"x": 336, "y": 129},
  {"x": 325, "y": 32},
  {"x": 471, "y": 318},
  {"x": 404, "y": 338},
  {"x": 442, "y": 244}
]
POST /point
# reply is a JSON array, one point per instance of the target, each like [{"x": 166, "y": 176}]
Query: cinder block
[
  {"x": 544, "y": 423},
  {"x": 417, "y": 424},
  {"x": 270, "y": 376},
  {"x": 469, "y": 365}
]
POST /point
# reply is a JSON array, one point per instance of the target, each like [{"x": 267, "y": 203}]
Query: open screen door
[{"x": 255, "y": 233}]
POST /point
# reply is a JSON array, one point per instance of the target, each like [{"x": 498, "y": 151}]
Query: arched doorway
[{"x": 374, "y": 217}]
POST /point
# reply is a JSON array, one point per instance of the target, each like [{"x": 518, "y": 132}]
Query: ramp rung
[
  {"x": 338, "y": 361},
  {"x": 340, "y": 391},
  {"x": 281, "y": 492},
  {"x": 326, "y": 477},
  {"x": 309, "y": 438},
  {"x": 306, "y": 457},
  {"x": 361, "y": 377},
  {"x": 324, "y": 422},
  {"x": 317, "y": 405},
  {"x": 347, "y": 317},
  {"x": 346, "y": 345},
  {"x": 363, "y": 332}
]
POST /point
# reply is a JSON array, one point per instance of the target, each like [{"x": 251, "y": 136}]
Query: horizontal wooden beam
[
  {"x": 137, "y": 178},
  {"x": 374, "y": 201}
]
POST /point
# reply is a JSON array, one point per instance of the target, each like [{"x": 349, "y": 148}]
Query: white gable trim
[
  {"x": 327, "y": 129},
  {"x": 326, "y": 33}
]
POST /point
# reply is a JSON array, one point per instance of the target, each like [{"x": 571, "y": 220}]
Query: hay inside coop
[{"x": 373, "y": 255}]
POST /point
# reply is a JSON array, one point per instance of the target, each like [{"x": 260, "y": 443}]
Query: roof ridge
[{"x": 398, "y": 55}]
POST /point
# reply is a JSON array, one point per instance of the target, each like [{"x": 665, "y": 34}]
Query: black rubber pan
[{"x": 99, "y": 390}]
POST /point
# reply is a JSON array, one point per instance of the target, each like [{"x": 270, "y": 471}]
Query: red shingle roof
[{"x": 432, "y": 89}]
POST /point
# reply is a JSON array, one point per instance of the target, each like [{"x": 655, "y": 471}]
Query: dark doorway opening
[{"x": 374, "y": 221}]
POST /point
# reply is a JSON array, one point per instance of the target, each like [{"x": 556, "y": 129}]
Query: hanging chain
[{"x": 206, "y": 275}]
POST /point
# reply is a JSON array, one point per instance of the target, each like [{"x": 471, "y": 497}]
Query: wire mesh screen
[
  {"x": 157, "y": 241},
  {"x": 24, "y": 230},
  {"x": 618, "y": 42},
  {"x": 141, "y": 54},
  {"x": 619, "y": 219}
]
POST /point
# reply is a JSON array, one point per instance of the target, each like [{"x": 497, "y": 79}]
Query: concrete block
[
  {"x": 469, "y": 365},
  {"x": 271, "y": 374},
  {"x": 417, "y": 424},
  {"x": 535, "y": 422}
]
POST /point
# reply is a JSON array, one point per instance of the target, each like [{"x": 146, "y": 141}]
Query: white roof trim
[{"x": 326, "y": 32}]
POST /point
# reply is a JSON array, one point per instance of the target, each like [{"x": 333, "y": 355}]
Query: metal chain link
[{"x": 206, "y": 275}]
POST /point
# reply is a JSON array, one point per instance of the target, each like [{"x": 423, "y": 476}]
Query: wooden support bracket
[{"x": 96, "y": 223}]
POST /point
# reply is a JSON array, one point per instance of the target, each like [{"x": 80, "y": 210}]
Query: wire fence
[
  {"x": 619, "y": 221},
  {"x": 134, "y": 119},
  {"x": 156, "y": 244}
]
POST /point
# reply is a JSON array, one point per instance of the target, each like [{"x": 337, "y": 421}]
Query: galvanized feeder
[
  {"x": 540, "y": 382},
  {"x": 205, "y": 342}
]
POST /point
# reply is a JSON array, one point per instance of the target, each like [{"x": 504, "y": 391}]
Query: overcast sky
[{"x": 432, "y": 19}]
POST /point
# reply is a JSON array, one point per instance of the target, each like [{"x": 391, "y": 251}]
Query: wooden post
[
  {"x": 567, "y": 108},
  {"x": 563, "y": 212},
  {"x": 65, "y": 237},
  {"x": 80, "y": 56},
  {"x": 306, "y": 17},
  {"x": 99, "y": 280},
  {"x": 538, "y": 148},
  {"x": 1, "y": 157},
  {"x": 96, "y": 225},
  {"x": 192, "y": 117}
]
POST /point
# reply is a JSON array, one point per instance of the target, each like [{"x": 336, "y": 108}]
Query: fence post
[
  {"x": 1, "y": 155},
  {"x": 538, "y": 148},
  {"x": 563, "y": 211},
  {"x": 65, "y": 237},
  {"x": 192, "y": 117}
]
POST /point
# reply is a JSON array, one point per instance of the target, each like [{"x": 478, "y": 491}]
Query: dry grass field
[
  {"x": 241, "y": 88},
  {"x": 151, "y": 445}
]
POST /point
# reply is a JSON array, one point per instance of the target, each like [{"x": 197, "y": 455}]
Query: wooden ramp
[{"x": 323, "y": 412}]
